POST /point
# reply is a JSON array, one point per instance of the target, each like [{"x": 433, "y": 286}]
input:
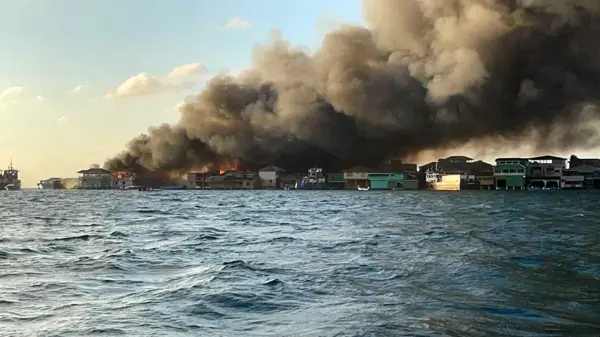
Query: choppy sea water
[{"x": 299, "y": 263}]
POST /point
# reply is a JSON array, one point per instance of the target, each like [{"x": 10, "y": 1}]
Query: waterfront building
[
  {"x": 511, "y": 173},
  {"x": 386, "y": 181},
  {"x": 357, "y": 176},
  {"x": 486, "y": 182},
  {"x": 199, "y": 180},
  {"x": 394, "y": 174},
  {"x": 411, "y": 180},
  {"x": 51, "y": 184},
  {"x": 95, "y": 179},
  {"x": 270, "y": 177},
  {"x": 235, "y": 180},
  {"x": 581, "y": 177},
  {"x": 289, "y": 180},
  {"x": 575, "y": 161},
  {"x": 336, "y": 181},
  {"x": 545, "y": 171},
  {"x": 123, "y": 179}
]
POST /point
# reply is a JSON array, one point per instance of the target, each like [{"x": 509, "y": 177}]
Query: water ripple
[{"x": 258, "y": 263}]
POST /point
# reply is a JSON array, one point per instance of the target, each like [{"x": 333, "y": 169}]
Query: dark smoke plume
[{"x": 426, "y": 74}]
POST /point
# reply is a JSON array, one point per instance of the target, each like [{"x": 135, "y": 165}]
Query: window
[{"x": 512, "y": 171}]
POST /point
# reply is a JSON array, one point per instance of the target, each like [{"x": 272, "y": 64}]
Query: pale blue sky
[{"x": 49, "y": 47}]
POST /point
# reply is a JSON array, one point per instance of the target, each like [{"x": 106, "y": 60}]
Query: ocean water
[{"x": 299, "y": 263}]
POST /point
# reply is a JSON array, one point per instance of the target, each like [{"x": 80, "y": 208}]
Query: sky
[{"x": 78, "y": 79}]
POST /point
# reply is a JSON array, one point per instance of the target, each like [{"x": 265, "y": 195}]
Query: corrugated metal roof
[
  {"x": 547, "y": 157},
  {"x": 272, "y": 169},
  {"x": 94, "y": 171},
  {"x": 584, "y": 169}
]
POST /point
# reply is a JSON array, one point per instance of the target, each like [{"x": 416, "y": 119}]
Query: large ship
[
  {"x": 314, "y": 180},
  {"x": 9, "y": 178},
  {"x": 440, "y": 181}
]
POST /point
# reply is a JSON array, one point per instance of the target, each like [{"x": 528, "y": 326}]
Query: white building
[
  {"x": 123, "y": 179},
  {"x": 95, "y": 179},
  {"x": 270, "y": 176}
]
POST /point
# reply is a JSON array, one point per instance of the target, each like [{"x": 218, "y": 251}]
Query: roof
[
  {"x": 449, "y": 166},
  {"x": 231, "y": 172},
  {"x": 584, "y": 169},
  {"x": 586, "y": 161},
  {"x": 509, "y": 165},
  {"x": 461, "y": 158},
  {"x": 94, "y": 171},
  {"x": 357, "y": 169},
  {"x": 511, "y": 159},
  {"x": 547, "y": 157},
  {"x": 271, "y": 169}
]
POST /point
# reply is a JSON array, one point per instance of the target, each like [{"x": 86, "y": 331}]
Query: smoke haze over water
[{"x": 425, "y": 74}]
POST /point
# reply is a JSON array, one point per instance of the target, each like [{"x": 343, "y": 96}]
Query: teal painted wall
[
  {"x": 511, "y": 181},
  {"x": 508, "y": 168},
  {"x": 384, "y": 181},
  {"x": 379, "y": 184},
  {"x": 335, "y": 177}
]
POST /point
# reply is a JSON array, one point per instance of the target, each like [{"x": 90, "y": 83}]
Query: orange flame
[
  {"x": 228, "y": 166},
  {"x": 231, "y": 164}
]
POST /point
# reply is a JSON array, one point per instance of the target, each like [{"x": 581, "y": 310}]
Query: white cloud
[
  {"x": 78, "y": 88},
  {"x": 61, "y": 120},
  {"x": 140, "y": 85},
  {"x": 144, "y": 84},
  {"x": 237, "y": 22},
  {"x": 10, "y": 95},
  {"x": 192, "y": 69}
]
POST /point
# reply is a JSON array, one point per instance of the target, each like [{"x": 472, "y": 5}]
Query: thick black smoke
[{"x": 426, "y": 74}]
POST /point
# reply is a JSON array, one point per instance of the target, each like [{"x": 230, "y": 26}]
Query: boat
[
  {"x": 363, "y": 188},
  {"x": 9, "y": 179},
  {"x": 314, "y": 180}
]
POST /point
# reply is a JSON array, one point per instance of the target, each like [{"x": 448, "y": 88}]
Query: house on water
[
  {"x": 386, "y": 180},
  {"x": 123, "y": 179},
  {"x": 582, "y": 173},
  {"x": 199, "y": 180},
  {"x": 357, "y": 176},
  {"x": 394, "y": 174},
  {"x": 511, "y": 173},
  {"x": 546, "y": 171},
  {"x": 235, "y": 180},
  {"x": 270, "y": 177},
  {"x": 336, "y": 181},
  {"x": 95, "y": 179}
]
